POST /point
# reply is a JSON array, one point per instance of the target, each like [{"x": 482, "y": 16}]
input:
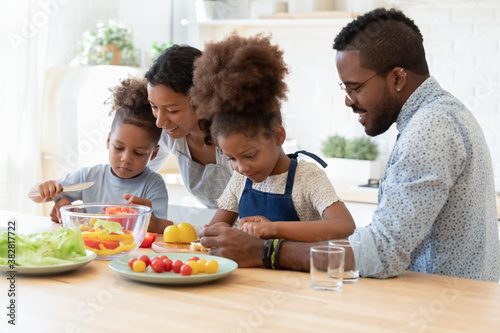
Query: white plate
[
  {"x": 226, "y": 266},
  {"x": 52, "y": 269}
]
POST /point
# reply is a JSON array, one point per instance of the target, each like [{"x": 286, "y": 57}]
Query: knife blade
[{"x": 75, "y": 187}]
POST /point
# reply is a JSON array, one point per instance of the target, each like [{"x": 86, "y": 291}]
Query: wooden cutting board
[{"x": 161, "y": 247}]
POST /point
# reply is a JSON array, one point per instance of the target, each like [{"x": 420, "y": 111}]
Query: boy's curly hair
[
  {"x": 131, "y": 106},
  {"x": 239, "y": 85}
]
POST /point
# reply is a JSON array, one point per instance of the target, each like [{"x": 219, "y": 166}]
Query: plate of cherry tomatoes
[{"x": 173, "y": 268}]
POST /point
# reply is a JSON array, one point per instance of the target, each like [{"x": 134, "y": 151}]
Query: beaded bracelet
[
  {"x": 267, "y": 252},
  {"x": 275, "y": 256}
]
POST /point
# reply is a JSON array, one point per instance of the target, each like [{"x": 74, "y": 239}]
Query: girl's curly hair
[
  {"x": 131, "y": 106},
  {"x": 239, "y": 85}
]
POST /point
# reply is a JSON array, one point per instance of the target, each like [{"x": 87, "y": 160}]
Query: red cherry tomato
[
  {"x": 157, "y": 265},
  {"x": 148, "y": 240},
  {"x": 167, "y": 263},
  {"x": 163, "y": 257},
  {"x": 146, "y": 259},
  {"x": 176, "y": 266},
  {"x": 131, "y": 262},
  {"x": 194, "y": 258},
  {"x": 186, "y": 270}
]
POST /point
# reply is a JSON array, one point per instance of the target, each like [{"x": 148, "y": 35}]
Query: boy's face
[
  {"x": 257, "y": 157},
  {"x": 130, "y": 149},
  {"x": 173, "y": 111}
]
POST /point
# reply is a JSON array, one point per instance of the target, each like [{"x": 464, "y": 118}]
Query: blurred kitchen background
[{"x": 52, "y": 89}]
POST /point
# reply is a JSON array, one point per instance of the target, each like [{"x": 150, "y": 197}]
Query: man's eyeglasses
[{"x": 348, "y": 91}]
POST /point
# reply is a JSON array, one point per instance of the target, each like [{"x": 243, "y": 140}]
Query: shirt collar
[{"x": 430, "y": 87}]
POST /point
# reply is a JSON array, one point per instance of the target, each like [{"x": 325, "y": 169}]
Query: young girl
[
  {"x": 132, "y": 142},
  {"x": 239, "y": 85}
]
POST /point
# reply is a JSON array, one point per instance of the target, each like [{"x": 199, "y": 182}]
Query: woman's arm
[{"x": 337, "y": 223}]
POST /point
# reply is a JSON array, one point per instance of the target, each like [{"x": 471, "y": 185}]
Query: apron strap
[
  {"x": 291, "y": 176},
  {"x": 313, "y": 156}
]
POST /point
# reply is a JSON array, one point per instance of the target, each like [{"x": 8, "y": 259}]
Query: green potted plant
[
  {"x": 352, "y": 160},
  {"x": 154, "y": 52},
  {"x": 110, "y": 44}
]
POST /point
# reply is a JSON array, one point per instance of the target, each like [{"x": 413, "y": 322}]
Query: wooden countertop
[{"x": 96, "y": 299}]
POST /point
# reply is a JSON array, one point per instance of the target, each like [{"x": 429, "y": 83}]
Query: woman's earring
[{"x": 398, "y": 89}]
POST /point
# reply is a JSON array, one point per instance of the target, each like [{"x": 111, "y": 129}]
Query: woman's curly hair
[
  {"x": 131, "y": 106},
  {"x": 239, "y": 85}
]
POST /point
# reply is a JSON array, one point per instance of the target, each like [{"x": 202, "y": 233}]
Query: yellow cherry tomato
[
  {"x": 139, "y": 266},
  {"x": 212, "y": 267},
  {"x": 194, "y": 266},
  {"x": 202, "y": 265}
]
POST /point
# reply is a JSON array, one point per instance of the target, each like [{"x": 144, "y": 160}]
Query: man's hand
[
  {"x": 55, "y": 214},
  {"x": 156, "y": 224},
  {"x": 258, "y": 226},
  {"x": 229, "y": 242}
]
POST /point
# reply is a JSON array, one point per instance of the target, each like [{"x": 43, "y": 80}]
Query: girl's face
[
  {"x": 130, "y": 149},
  {"x": 173, "y": 111},
  {"x": 256, "y": 157}
]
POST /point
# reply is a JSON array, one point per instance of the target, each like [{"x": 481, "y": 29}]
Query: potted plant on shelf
[
  {"x": 110, "y": 44},
  {"x": 352, "y": 160}
]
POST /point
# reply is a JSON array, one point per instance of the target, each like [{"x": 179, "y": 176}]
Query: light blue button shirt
[{"x": 437, "y": 209}]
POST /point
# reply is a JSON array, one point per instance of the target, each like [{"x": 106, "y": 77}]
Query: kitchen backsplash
[{"x": 462, "y": 41}]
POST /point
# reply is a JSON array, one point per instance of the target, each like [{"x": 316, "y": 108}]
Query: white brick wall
[{"x": 462, "y": 42}]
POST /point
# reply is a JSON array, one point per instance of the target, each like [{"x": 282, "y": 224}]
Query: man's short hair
[{"x": 385, "y": 39}]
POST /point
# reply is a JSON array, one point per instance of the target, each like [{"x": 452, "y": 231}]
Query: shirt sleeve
[
  {"x": 158, "y": 195},
  {"x": 73, "y": 178},
  {"x": 320, "y": 190},
  {"x": 230, "y": 198},
  {"x": 418, "y": 177}
]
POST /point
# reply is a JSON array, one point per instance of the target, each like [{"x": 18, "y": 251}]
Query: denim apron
[{"x": 273, "y": 206}]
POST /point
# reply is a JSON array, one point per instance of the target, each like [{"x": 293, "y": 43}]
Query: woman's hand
[
  {"x": 258, "y": 226},
  {"x": 55, "y": 214},
  {"x": 156, "y": 224},
  {"x": 226, "y": 241}
]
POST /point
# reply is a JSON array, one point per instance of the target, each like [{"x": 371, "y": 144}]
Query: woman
[{"x": 204, "y": 168}]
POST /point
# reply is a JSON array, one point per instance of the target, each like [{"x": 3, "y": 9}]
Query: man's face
[{"x": 369, "y": 94}]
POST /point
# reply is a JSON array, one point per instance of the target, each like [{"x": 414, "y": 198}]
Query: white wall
[{"x": 462, "y": 41}]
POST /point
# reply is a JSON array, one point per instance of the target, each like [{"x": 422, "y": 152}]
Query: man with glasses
[{"x": 437, "y": 209}]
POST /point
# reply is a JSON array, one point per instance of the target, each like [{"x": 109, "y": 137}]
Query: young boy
[{"x": 132, "y": 142}]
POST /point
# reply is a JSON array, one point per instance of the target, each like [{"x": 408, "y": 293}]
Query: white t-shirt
[
  {"x": 312, "y": 191},
  {"x": 205, "y": 182},
  {"x": 108, "y": 188}
]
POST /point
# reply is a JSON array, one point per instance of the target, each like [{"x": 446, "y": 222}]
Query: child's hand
[
  {"x": 156, "y": 224},
  {"x": 132, "y": 199},
  {"x": 258, "y": 226},
  {"x": 49, "y": 189},
  {"x": 55, "y": 214}
]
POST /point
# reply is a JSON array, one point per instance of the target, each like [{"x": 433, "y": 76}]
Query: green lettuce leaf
[
  {"x": 40, "y": 249},
  {"x": 110, "y": 225}
]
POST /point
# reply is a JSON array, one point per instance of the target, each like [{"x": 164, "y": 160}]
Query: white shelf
[{"x": 271, "y": 22}]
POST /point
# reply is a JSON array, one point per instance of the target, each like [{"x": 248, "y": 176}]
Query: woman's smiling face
[{"x": 173, "y": 111}]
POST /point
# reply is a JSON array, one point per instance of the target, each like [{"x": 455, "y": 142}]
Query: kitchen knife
[{"x": 76, "y": 187}]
